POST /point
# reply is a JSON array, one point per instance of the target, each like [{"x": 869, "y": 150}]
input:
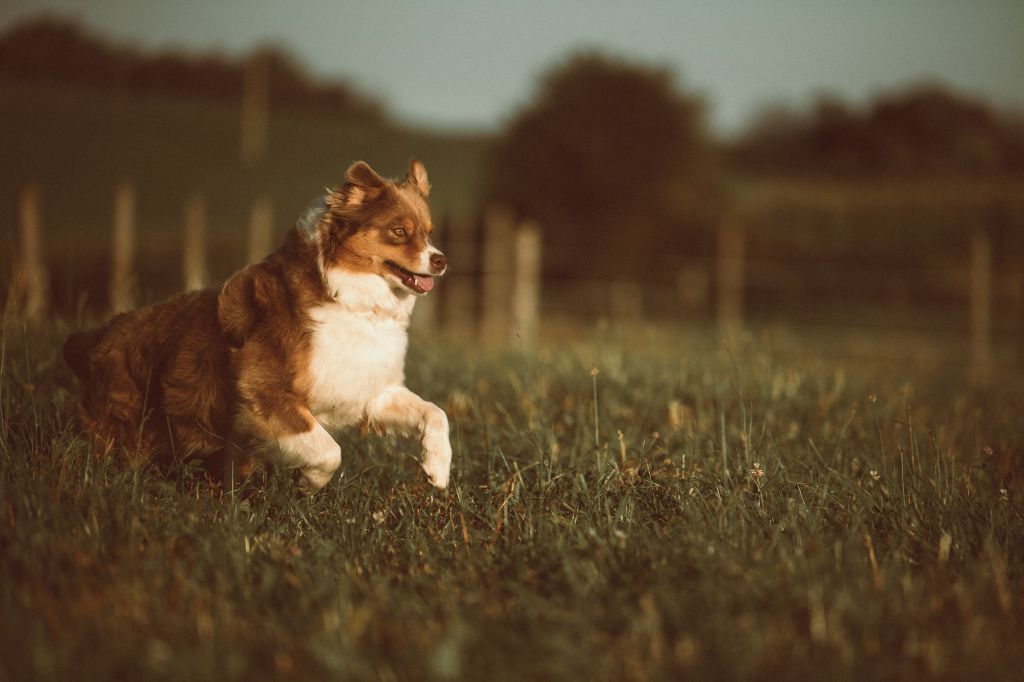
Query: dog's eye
[{"x": 398, "y": 231}]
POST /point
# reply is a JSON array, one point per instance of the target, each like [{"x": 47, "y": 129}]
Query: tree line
[
  {"x": 615, "y": 158},
  {"x": 925, "y": 129},
  {"x": 51, "y": 48}
]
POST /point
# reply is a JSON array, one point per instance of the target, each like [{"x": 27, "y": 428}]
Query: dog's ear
[
  {"x": 363, "y": 186},
  {"x": 417, "y": 177},
  {"x": 361, "y": 175}
]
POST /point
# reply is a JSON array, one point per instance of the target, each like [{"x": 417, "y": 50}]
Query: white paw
[
  {"x": 437, "y": 450},
  {"x": 437, "y": 462},
  {"x": 313, "y": 479},
  {"x": 438, "y": 471},
  {"x": 316, "y": 455}
]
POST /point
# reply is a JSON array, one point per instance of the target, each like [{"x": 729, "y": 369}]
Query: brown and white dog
[{"x": 310, "y": 340}]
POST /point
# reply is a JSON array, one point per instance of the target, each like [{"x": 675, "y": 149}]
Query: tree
[
  {"x": 55, "y": 49},
  {"x": 603, "y": 158},
  {"x": 923, "y": 130}
]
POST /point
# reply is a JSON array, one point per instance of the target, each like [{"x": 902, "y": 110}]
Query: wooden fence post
[
  {"x": 730, "y": 275},
  {"x": 694, "y": 286},
  {"x": 498, "y": 230},
  {"x": 1016, "y": 304},
  {"x": 255, "y": 134},
  {"x": 30, "y": 281},
  {"x": 981, "y": 308},
  {"x": 194, "y": 257},
  {"x": 526, "y": 287},
  {"x": 461, "y": 286},
  {"x": 122, "y": 276},
  {"x": 261, "y": 220},
  {"x": 255, "y": 123}
]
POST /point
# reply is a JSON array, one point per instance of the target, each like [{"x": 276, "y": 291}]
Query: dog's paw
[
  {"x": 314, "y": 478},
  {"x": 437, "y": 449},
  {"x": 438, "y": 470},
  {"x": 312, "y": 481}
]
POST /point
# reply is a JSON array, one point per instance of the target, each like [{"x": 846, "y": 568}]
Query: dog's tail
[{"x": 77, "y": 349}]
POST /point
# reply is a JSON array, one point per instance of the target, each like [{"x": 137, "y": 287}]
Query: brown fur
[{"x": 176, "y": 378}]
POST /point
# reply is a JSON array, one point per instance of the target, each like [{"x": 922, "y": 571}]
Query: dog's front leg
[
  {"x": 314, "y": 453},
  {"x": 398, "y": 408},
  {"x": 287, "y": 426}
]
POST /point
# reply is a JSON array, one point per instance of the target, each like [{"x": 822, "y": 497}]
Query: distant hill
[{"x": 55, "y": 49}]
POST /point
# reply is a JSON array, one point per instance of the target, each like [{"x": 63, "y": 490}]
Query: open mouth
[{"x": 421, "y": 284}]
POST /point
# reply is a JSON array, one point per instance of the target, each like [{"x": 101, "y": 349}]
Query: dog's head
[{"x": 378, "y": 226}]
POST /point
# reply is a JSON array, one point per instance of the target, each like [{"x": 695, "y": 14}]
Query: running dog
[{"x": 309, "y": 341}]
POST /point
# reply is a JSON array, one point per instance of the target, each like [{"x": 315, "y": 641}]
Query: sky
[{"x": 469, "y": 65}]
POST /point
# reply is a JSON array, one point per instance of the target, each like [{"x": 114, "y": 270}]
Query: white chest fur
[{"x": 358, "y": 347}]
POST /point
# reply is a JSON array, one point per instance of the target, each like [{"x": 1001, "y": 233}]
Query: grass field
[{"x": 691, "y": 511}]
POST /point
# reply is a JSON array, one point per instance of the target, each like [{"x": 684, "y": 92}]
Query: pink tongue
[{"x": 425, "y": 283}]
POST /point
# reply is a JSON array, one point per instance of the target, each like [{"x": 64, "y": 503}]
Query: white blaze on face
[
  {"x": 424, "y": 264},
  {"x": 423, "y": 273}
]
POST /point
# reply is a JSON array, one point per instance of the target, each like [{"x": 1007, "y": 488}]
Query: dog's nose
[{"x": 438, "y": 263}]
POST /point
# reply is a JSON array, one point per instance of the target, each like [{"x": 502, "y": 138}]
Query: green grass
[{"x": 881, "y": 542}]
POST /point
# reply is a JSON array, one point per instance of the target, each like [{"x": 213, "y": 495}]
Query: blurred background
[{"x": 853, "y": 170}]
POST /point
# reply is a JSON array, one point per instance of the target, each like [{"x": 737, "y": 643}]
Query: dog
[{"x": 309, "y": 341}]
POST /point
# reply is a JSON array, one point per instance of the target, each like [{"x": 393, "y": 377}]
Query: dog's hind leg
[
  {"x": 114, "y": 406},
  {"x": 398, "y": 408}
]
